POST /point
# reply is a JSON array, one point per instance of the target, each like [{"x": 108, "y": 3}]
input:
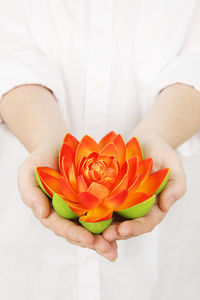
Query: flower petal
[
  {"x": 68, "y": 153},
  {"x": 62, "y": 208},
  {"x": 105, "y": 159},
  {"x": 110, "y": 172},
  {"x": 135, "y": 184},
  {"x": 107, "y": 182},
  {"x": 82, "y": 150},
  {"x": 135, "y": 199},
  {"x": 92, "y": 144},
  {"x": 74, "y": 206},
  {"x": 145, "y": 167},
  {"x": 99, "y": 190},
  {"x": 71, "y": 141},
  {"x": 88, "y": 200},
  {"x": 92, "y": 175},
  {"x": 110, "y": 150},
  {"x": 80, "y": 165},
  {"x": 115, "y": 200},
  {"x": 67, "y": 190},
  {"x": 107, "y": 139},
  {"x": 138, "y": 210},
  {"x": 72, "y": 177},
  {"x": 115, "y": 165},
  {"x": 86, "y": 176},
  {"x": 132, "y": 169},
  {"x": 108, "y": 217},
  {"x": 99, "y": 213},
  {"x": 121, "y": 148},
  {"x": 81, "y": 184},
  {"x": 122, "y": 180},
  {"x": 133, "y": 148},
  {"x": 50, "y": 180},
  {"x": 153, "y": 183}
]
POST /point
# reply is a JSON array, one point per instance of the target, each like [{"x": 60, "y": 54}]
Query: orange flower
[{"x": 97, "y": 179}]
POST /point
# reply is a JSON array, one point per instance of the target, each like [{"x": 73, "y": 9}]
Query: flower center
[{"x": 102, "y": 169}]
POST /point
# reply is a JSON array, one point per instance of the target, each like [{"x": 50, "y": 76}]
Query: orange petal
[
  {"x": 145, "y": 167},
  {"x": 115, "y": 165},
  {"x": 88, "y": 200},
  {"x": 135, "y": 184},
  {"x": 81, "y": 184},
  {"x": 67, "y": 190},
  {"x": 67, "y": 152},
  {"x": 97, "y": 214},
  {"x": 133, "y": 148},
  {"x": 86, "y": 176},
  {"x": 107, "y": 139},
  {"x": 106, "y": 159},
  {"x": 108, "y": 217},
  {"x": 107, "y": 182},
  {"x": 110, "y": 150},
  {"x": 115, "y": 200},
  {"x": 78, "y": 211},
  {"x": 71, "y": 141},
  {"x": 122, "y": 180},
  {"x": 110, "y": 172},
  {"x": 50, "y": 179},
  {"x": 72, "y": 177},
  {"x": 75, "y": 207},
  {"x": 93, "y": 155},
  {"x": 132, "y": 169},
  {"x": 121, "y": 148},
  {"x": 152, "y": 183},
  {"x": 135, "y": 199},
  {"x": 98, "y": 190},
  {"x": 92, "y": 144},
  {"x": 92, "y": 175},
  {"x": 82, "y": 150},
  {"x": 81, "y": 163}
]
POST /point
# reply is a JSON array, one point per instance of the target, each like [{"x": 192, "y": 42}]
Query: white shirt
[{"x": 105, "y": 61}]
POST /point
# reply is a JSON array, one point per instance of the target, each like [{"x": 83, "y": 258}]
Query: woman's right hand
[{"x": 46, "y": 154}]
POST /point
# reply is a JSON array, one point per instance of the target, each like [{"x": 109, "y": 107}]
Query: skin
[
  {"x": 171, "y": 120},
  {"x": 26, "y": 110}
]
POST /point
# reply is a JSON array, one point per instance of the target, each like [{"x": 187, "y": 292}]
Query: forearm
[
  {"x": 175, "y": 115},
  {"x": 33, "y": 115}
]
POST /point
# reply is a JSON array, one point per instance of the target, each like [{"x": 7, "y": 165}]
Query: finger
[
  {"x": 72, "y": 232},
  {"x": 106, "y": 249},
  {"x": 141, "y": 225},
  {"x": 175, "y": 188},
  {"x": 111, "y": 233},
  {"x": 29, "y": 190}
]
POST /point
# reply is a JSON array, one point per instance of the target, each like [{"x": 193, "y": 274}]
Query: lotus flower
[{"x": 98, "y": 179}]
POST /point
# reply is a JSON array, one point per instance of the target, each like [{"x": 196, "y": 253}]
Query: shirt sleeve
[
  {"x": 184, "y": 68},
  {"x": 21, "y": 60}
]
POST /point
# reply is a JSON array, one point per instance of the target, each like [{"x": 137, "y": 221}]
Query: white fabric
[{"x": 105, "y": 61}]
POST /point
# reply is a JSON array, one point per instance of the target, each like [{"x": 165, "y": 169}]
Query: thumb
[
  {"x": 29, "y": 190},
  {"x": 174, "y": 190}
]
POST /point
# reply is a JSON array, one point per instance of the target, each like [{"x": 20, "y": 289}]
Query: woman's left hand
[{"x": 163, "y": 157}]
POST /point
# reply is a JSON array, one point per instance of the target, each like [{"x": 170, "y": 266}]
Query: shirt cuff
[
  {"x": 183, "y": 69},
  {"x": 30, "y": 67}
]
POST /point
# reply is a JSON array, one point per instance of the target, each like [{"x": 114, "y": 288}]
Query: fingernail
[
  {"x": 37, "y": 209},
  {"x": 170, "y": 201}
]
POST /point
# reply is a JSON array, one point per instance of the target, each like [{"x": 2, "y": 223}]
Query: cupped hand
[
  {"x": 46, "y": 154},
  {"x": 163, "y": 157}
]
